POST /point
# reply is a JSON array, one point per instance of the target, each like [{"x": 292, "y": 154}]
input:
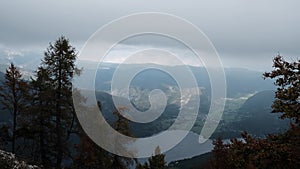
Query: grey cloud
[{"x": 236, "y": 28}]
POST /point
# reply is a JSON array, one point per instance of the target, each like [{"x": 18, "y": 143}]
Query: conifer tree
[
  {"x": 12, "y": 96},
  {"x": 287, "y": 79},
  {"x": 155, "y": 162},
  {"x": 59, "y": 64},
  {"x": 122, "y": 126},
  {"x": 36, "y": 120}
]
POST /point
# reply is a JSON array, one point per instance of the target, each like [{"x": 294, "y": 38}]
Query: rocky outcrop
[{"x": 9, "y": 161}]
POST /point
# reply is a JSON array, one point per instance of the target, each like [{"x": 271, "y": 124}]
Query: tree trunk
[
  {"x": 42, "y": 139},
  {"x": 58, "y": 120},
  {"x": 15, "y": 118}
]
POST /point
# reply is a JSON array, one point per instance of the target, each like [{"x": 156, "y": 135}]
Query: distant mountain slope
[
  {"x": 256, "y": 117},
  {"x": 260, "y": 101},
  {"x": 239, "y": 81},
  {"x": 27, "y": 60},
  {"x": 139, "y": 129},
  {"x": 197, "y": 162},
  {"x": 2, "y": 77},
  {"x": 2, "y": 69}
]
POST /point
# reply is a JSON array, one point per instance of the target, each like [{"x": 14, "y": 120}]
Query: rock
[{"x": 9, "y": 161}]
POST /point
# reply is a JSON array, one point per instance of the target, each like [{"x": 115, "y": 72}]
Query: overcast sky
[{"x": 245, "y": 33}]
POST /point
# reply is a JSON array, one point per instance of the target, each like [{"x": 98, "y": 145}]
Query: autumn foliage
[{"x": 276, "y": 150}]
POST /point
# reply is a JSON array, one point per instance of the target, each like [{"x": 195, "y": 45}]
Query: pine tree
[
  {"x": 59, "y": 64},
  {"x": 122, "y": 126},
  {"x": 4, "y": 135},
  {"x": 12, "y": 96},
  {"x": 155, "y": 162},
  {"x": 36, "y": 122},
  {"x": 287, "y": 79}
]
